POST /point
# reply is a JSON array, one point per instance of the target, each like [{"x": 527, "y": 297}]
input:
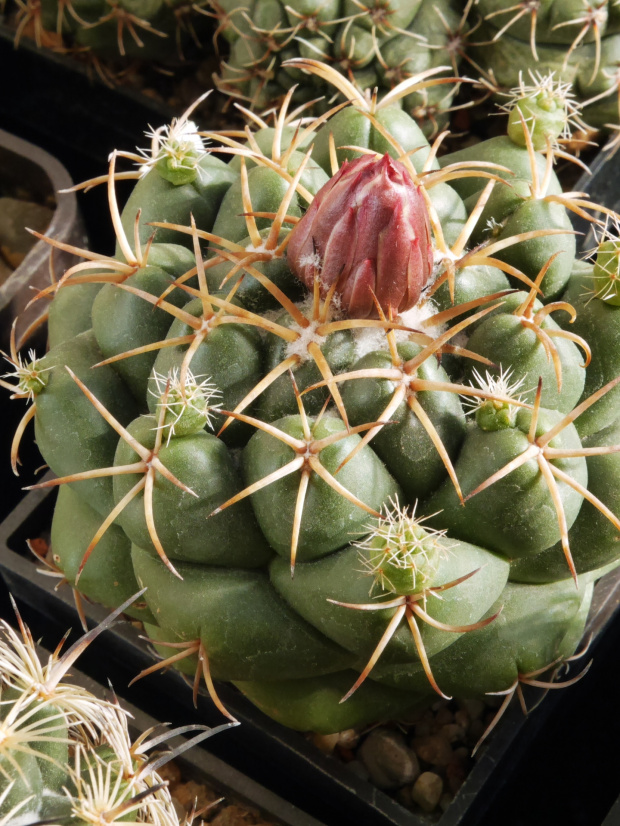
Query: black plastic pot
[
  {"x": 58, "y": 102},
  {"x": 24, "y": 166},
  {"x": 279, "y": 758}
]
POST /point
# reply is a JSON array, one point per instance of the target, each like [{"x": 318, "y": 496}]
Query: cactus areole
[
  {"x": 348, "y": 418},
  {"x": 367, "y": 234}
]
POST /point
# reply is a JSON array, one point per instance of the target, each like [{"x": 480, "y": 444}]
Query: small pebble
[
  {"x": 456, "y": 774},
  {"x": 475, "y": 708},
  {"x": 234, "y": 816},
  {"x": 390, "y": 762},
  {"x": 445, "y": 800},
  {"x": 404, "y": 797},
  {"x": 433, "y": 749},
  {"x": 463, "y": 718},
  {"x": 425, "y": 725},
  {"x": 443, "y": 717},
  {"x": 453, "y": 733},
  {"x": 359, "y": 769},
  {"x": 325, "y": 742},
  {"x": 426, "y": 791},
  {"x": 348, "y": 739}
]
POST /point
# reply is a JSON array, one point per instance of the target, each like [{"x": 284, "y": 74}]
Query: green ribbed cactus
[
  {"x": 376, "y": 44},
  {"x": 578, "y": 41},
  {"x": 335, "y": 416},
  {"x": 152, "y": 30},
  {"x": 66, "y": 755}
]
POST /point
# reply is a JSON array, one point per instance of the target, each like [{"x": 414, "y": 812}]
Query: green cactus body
[
  {"x": 108, "y": 576},
  {"x": 593, "y": 539},
  {"x": 213, "y": 603},
  {"x": 597, "y": 323},
  {"x": 89, "y": 443},
  {"x": 123, "y": 321},
  {"x": 406, "y": 445},
  {"x": 71, "y": 313},
  {"x": 513, "y": 344},
  {"x": 314, "y": 704},
  {"x": 320, "y": 505},
  {"x": 516, "y": 516},
  {"x": 496, "y": 652},
  {"x": 329, "y": 520},
  {"x": 202, "y": 463}
]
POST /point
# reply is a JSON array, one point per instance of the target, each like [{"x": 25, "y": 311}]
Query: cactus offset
[{"x": 336, "y": 458}]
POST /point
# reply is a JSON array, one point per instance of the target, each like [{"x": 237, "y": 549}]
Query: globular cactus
[
  {"x": 66, "y": 755},
  {"x": 152, "y": 30},
  {"x": 342, "y": 493},
  {"x": 374, "y": 45},
  {"x": 578, "y": 41}
]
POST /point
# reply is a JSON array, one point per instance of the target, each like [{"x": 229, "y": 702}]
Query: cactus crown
[
  {"x": 500, "y": 409},
  {"x": 189, "y": 403},
  {"x": 548, "y": 107}
]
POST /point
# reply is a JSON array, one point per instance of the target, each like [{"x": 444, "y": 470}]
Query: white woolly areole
[
  {"x": 416, "y": 315},
  {"x": 307, "y": 335},
  {"x": 262, "y": 249},
  {"x": 367, "y": 340}
]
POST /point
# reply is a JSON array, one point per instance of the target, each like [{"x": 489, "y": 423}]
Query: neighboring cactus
[
  {"x": 578, "y": 41},
  {"x": 332, "y": 523},
  {"x": 152, "y": 30},
  {"x": 66, "y": 755},
  {"x": 376, "y": 44}
]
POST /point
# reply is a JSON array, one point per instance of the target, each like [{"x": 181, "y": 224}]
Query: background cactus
[
  {"x": 153, "y": 30},
  {"x": 578, "y": 42},
  {"x": 66, "y": 755},
  {"x": 374, "y": 45},
  {"x": 342, "y": 515}
]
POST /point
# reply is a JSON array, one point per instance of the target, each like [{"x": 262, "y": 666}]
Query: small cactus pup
[
  {"x": 268, "y": 418},
  {"x": 548, "y": 108},
  {"x": 66, "y": 755}
]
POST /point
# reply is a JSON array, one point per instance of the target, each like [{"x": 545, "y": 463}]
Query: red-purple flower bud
[{"x": 368, "y": 231}]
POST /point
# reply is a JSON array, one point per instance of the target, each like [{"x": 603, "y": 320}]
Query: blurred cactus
[{"x": 66, "y": 755}]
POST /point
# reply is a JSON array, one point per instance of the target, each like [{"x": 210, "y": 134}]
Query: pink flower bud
[{"x": 368, "y": 231}]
